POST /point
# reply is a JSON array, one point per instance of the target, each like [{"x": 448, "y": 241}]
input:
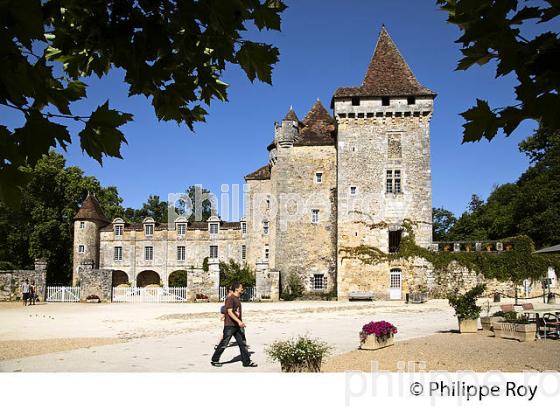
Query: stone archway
[
  {"x": 119, "y": 278},
  {"x": 147, "y": 277},
  {"x": 178, "y": 279}
]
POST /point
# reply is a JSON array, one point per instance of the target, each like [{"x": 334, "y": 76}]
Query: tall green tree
[
  {"x": 172, "y": 52},
  {"x": 442, "y": 223},
  {"x": 494, "y": 31},
  {"x": 42, "y": 227},
  {"x": 530, "y": 206}
]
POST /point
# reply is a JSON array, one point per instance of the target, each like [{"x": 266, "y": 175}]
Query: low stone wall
[
  {"x": 96, "y": 282},
  {"x": 11, "y": 281}
]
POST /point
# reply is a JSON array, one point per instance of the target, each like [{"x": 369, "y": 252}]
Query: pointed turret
[
  {"x": 291, "y": 115},
  {"x": 317, "y": 127},
  {"x": 388, "y": 74},
  {"x": 91, "y": 210}
]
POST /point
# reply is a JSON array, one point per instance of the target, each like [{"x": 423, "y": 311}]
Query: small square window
[
  {"x": 315, "y": 216},
  {"x": 355, "y": 101},
  {"x": 318, "y": 177},
  {"x": 353, "y": 190},
  {"x": 385, "y": 101},
  {"x": 411, "y": 100},
  {"x": 318, "y": 282},
  {"x": 81, "y": 248}
]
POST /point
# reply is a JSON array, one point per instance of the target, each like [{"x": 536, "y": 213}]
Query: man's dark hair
[{"x": 234, "y": 286}]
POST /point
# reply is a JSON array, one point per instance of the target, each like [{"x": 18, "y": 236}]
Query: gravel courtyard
[{"x": 180, "y": 337}]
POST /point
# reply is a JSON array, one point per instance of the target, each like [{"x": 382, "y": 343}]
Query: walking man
[{"x": 233, "y": 327}]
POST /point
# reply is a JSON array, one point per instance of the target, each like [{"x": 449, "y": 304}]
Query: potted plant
[
  {"x": 513, "y": 327},
  {"x": 376, "y": 335},
  {"x": 93, "y": 299},
  {"x": 301, "y": 354},
  {"x": 466, "y": 310}
]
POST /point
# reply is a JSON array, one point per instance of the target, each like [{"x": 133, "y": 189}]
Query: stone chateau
[{"x": 334, "y": 181}]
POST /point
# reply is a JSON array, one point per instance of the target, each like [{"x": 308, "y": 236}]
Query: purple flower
[{"x": 381, "y": 329}]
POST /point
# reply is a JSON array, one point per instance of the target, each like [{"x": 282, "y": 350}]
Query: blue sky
[{"x": 323, "y": 45}]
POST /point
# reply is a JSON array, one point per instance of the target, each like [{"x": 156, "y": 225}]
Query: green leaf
[
  {"x": 481, "y": 122},
  {"x": 257, "y": 60},
  {"x": 267, "y": 15},
  {"x": 101, "y": 135}
]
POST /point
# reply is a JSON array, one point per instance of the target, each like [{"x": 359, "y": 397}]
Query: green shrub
[
  {"x": 178, "y": 279},
  {"x": 294, "y": 287},
  {"x": 299, "y": 355},
  {"x": 465, "y": 305},
  {"x": 205, "y": 267},
  {"x": 6, "y": 265},
  {"x": 234, "y": 272}
]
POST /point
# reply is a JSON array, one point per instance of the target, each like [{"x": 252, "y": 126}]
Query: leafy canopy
[
  {"x": 171, "y": 52},
  {"x": 492, "y": 31}
]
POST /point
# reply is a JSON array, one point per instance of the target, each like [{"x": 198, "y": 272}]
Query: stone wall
[
  {"x": 11, "y": 281},
  {"x": 97, "y": 282}
]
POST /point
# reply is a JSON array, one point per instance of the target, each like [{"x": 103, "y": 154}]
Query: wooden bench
[{"x": 360, "y": 295}]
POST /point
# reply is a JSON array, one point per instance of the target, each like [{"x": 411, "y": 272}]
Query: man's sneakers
[
  {"x": 250, "y": 364},
  {"x": 216, "y": 364}
]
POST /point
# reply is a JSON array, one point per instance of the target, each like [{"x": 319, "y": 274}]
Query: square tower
[{"x": 383, "y": 169}]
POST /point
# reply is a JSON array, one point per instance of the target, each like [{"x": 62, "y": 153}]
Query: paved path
[{"x": 181, "y": 338}]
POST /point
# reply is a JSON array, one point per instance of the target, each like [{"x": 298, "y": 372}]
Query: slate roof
[
  {"x": 388, "y": 74},
  {"x": 317, "y": 127},
  {"x": 91, "y": 210},
  {"x": 260, "y": 174}
]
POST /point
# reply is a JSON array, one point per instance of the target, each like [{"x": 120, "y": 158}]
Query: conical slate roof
[
  {"x": 291, "y": 115},
  {"x": 388, "y": 74},
  {"x": 91, "y": 210},
  {"x": 317, "y": 127}
]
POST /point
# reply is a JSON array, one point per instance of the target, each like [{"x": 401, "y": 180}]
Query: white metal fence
[
  {"x": 249, "y": 294},
  {"x": 63, "y": 294},
  {"x": 149, "y": 295}
]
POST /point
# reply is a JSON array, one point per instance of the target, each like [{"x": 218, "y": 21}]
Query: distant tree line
[{"x": 530, "y": 206}]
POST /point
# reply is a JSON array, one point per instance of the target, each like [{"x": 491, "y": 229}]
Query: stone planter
[
  {"x": 373, "y": 343},
  {"x": 468, "y": 325},
  {"x": 524, "y": 332},
  {"x": 487, "y": 322},
  {"x": 313, "y": 366}
]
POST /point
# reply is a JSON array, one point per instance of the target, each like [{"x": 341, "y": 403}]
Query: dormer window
[
  {"x": 243, "y": 227},
  {"x": 149, "y": 229},
  {"x": 213, "y": 228},
  {"x": 119, "y": 230},
  {"x": 181, "y": 229}
]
